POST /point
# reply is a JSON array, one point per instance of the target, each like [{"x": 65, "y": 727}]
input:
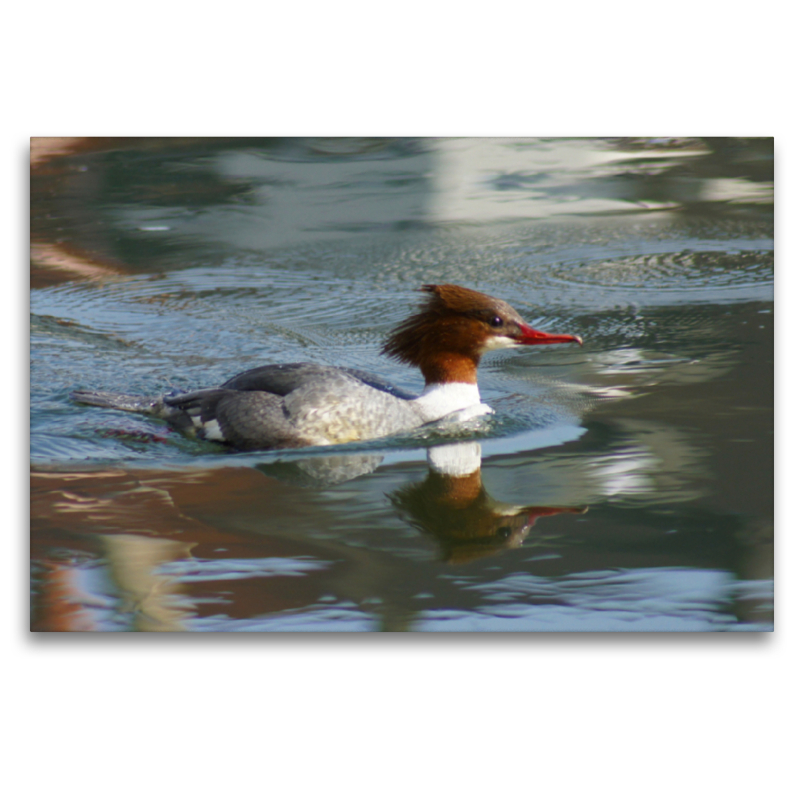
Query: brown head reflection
[{"x": 453, "y": 505}]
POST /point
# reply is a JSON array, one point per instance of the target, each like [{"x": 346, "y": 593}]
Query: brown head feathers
[{"x": 445, "y": 338}]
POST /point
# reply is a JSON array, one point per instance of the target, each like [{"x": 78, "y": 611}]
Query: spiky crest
[{"x": 443, "y": 338}]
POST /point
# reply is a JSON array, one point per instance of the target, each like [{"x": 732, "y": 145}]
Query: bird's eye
[{"x": 496, "y": 322}]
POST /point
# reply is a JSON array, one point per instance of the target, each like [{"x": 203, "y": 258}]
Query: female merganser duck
[{"x": 297, "y": 405}]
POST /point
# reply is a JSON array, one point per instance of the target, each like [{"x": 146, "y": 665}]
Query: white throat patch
[
  {"x": 498, "y": 343},
  {"x": 440, "y": 399}
]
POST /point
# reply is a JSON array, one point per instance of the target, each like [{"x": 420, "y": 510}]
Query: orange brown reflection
[
  {"x": 54, "y": 260},
  {"x": 46, "y": 148},
  {"x": 54, "y": 263},
  {"x": 64, "y": 604},
  {"x": 453, "y": 506},
  {"x": 155, "y": 550},
  {"x": 131, "y": 525}
]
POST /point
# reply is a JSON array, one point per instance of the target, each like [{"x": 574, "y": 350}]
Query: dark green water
[{"x": 624, "y": 486}]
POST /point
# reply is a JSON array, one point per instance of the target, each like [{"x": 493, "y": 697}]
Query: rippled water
[{"x": 625, "y": 485}]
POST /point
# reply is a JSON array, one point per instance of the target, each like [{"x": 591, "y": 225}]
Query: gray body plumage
[{"x": 281, "y": 405}]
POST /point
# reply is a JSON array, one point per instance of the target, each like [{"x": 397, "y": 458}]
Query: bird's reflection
[
  {"x": 321, "y": 471},
  {"x": 454, "y": 507},
  {"x": 451, "y": 504}
]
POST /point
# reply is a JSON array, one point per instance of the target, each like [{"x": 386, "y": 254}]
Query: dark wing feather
[
  {"x": 202, "y": 403},
  {"x": 281, "y": 379},
  {"x": 376, "y": 382}
]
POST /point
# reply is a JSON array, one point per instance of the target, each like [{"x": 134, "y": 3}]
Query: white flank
[
  {"x": 464, "y": 414},
  {"x": 212, "y": 431}
]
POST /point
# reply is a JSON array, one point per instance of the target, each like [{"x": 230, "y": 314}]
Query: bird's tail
[{"x": 123, "y": 402}]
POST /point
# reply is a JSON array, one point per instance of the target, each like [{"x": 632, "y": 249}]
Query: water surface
[{"x": 622, "y": 486}]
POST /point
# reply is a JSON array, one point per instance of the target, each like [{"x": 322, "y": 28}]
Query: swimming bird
[{"x": 301, "y": 404}]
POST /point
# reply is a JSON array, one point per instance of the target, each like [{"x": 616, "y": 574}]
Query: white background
[{"x": 385, "y": 716}]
